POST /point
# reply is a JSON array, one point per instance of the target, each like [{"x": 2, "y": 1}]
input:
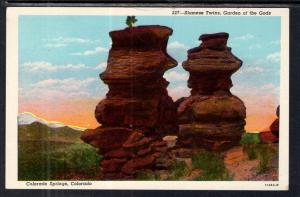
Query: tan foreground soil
[{"x": 243, "y": 169}]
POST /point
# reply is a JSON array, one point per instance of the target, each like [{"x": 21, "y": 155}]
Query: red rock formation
[
  {"x": 271, "y": 136},
  {"x": 267, "y": 137},
  {"x": 137, "y": 96},
  {"x": 211, "y": 117},
  {"x": 137, "y": 109},
  {"x": 274, "y": 128}
]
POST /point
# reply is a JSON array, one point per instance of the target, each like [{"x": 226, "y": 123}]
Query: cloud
[
  {"x": 95, "y": 51},
  {"x": 252, "y": 69},
  {"x": 71, "y": 40},
  {"x": 101, "y": 66},
  {"x": 178, "y": 50},
  {"x": 274, "y": 57},
  {"x": 56, "y": 90},
  {"x": 54, "y": 45},
  {"x": 253, "y": 91},
  {"x": 244, "y": 37},
  {"x": 271, "y": 88},
  {"x": 68, "y": 84},
  {"x": 176, "y": 76},
  {"x": 260, "y": 101},
  {"x": 177, "y": 45},
  {"x": 64, "y": 41},
  {"x": 178, "y": 92},
  {"x": 255, "y": 46},
  {"x": 47, "y": 66}
]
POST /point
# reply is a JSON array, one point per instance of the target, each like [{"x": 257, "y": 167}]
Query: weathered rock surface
[
  {"x": 271, "y": 136},
  {"x": 137, "y": 96},
  {"x": 106, "y": 139},
  {"x": 274, "y": 128},
  {"x": 211, "y": 117},
  {"x": 137, "y": 111},
  {"x": 267, "y": 137}
]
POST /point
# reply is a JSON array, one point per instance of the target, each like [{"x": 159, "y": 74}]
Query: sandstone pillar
[
  {"x": 211, "y": 117},
  {"x": 137, "y": 110}
]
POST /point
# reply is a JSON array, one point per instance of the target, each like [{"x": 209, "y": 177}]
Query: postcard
[{"x": 147, "y": 98}]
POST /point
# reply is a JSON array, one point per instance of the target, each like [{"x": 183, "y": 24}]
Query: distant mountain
[
  {"x": 27, "y": 118},
  {"x": 37, "y": 131}
]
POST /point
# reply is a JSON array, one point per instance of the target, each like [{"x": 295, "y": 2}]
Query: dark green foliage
[
  {"x": 212, "y": 165},
  {"x": 130, "y": 21},
  {"x": 40, "y": 160},
  {"x": 250, "y": 138},
  {"x": 45, "y": 153},
  {"x": 178, "y": 169}
]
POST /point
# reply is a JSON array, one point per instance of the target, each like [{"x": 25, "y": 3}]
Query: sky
[{"x": 60, "y": 58}]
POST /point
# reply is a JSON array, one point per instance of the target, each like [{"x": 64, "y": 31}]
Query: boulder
[
  {"x": 268, "y": 137},
  {"x": 112, "y": 165},
  {"x": 274, "y": 128},
  {"x": 133, "y": 165},
  {"x": 106, "y": 138},
  {"x": 119, "y": 153}
]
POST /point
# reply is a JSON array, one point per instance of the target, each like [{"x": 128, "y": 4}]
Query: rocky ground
[
  {"x": 235, "y": 163},
  {"x": 243, "y": 169}
]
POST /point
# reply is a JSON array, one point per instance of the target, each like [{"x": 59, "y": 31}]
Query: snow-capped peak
[{"x": 27, "y": 118}]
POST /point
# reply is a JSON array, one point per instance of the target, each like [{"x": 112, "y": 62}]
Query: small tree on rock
[{"x": 130, "y": 21}]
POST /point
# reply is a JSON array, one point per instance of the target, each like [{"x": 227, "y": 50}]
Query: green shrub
[
  {"x": 249, "y": 142},
  {"x": 130, "y": 20},
  {"x": 212, "y": 165},
  {"x": 81, "y": 156},
  {"x": 45, "y": 161},
  {"x": 250, "y": 138}
]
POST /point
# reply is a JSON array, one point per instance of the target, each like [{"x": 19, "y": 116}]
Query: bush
[
  {"x": 130, "y": 21},
  {"x": 250, "y": 138},
  {"x": 81, "y": 156},
  {"x": 212, "y": 165},
  {"x": 249, "y": 142}
]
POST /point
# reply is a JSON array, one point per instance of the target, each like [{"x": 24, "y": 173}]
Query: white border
[{"x": 12, "y": 104}]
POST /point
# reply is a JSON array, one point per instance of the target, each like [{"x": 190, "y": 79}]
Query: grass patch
[
  {"x": 178, "y": 170},
  {"x": 265, "y": 154},
  {"x": 147, "y": 176},
  {"x": 212, "y": 165},
  {"x": 255, "y": 150},
  {"x": 42, "y": 160}
]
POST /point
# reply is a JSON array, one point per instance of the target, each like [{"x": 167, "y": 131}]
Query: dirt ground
[{"x": 243, "y": 169}]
